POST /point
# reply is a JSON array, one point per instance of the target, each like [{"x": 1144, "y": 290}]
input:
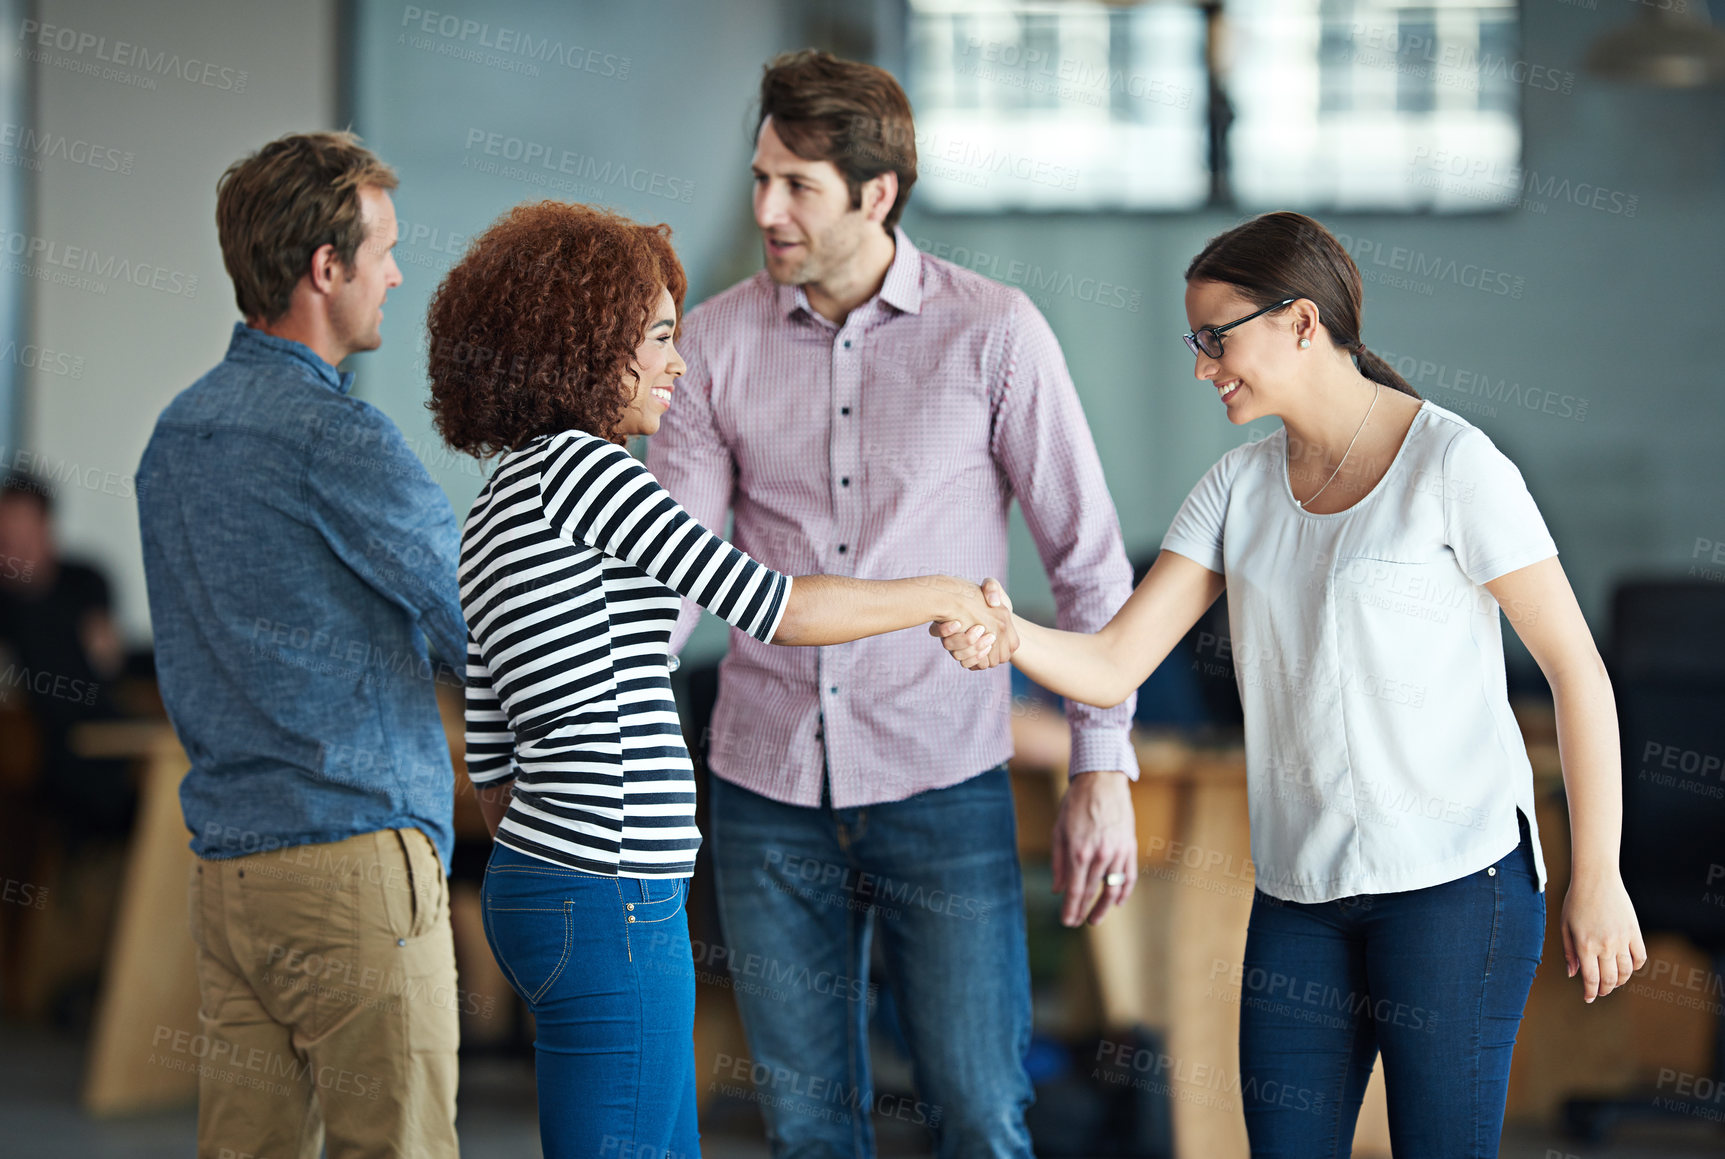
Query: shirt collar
[
  {"x": 249, "y": 342},
  {"x": 902, "y": 288}
]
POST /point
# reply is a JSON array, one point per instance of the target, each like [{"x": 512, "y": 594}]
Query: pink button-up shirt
[{"x": 890, "y": 446}]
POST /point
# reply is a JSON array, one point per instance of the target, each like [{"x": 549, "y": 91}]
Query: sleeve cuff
[
  {"x": 1207, "y": 556},
  {"x": 784, "y": 606},
  {"x": 1095, "y": 749}
]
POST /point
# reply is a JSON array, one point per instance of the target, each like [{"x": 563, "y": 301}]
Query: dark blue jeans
[
  {"x": 1434, "y": 978},
  {"x": 604, "y": 963},
  {"x": 802, "y": 893}
]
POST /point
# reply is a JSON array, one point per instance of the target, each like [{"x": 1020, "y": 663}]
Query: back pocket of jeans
[{"x": 531, "y": 942}]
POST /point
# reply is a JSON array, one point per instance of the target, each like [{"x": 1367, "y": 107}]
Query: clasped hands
[{"x": 991, "y": 637}]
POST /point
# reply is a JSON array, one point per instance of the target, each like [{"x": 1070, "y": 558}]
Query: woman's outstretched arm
[
  {"x": 1101, "y": 668},
  {"x": 835, "y": 609},
  {"x": 1601, "y": 936}
]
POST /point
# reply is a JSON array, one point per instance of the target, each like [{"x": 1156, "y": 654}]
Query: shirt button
[
  {"x": 1492, "y": 872},
  {"x": 842, "y": 549},
  {"x": 628, "y": 905},
  {"x": 845, "y": 482},
  {"x": 401, "y": 941},
  {"x": 844, "y": 410},
  {"x": 847, "y": 343},
  {"x": 631, "y": 917},
  {"x": 834, "y": 688}
]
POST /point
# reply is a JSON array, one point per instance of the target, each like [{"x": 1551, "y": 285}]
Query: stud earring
[{"x": 1304, "y": 343}]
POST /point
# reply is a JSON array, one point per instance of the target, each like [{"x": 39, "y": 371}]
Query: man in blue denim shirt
[{"x": 299, "y": 557}]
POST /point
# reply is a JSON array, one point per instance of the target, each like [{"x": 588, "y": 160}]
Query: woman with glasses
[
  {"x": 1366, "y": 549},
  {"x": 552, "y": 341}
]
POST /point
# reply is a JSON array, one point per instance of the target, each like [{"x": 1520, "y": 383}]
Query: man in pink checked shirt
[{"x": 861, "y": 408}]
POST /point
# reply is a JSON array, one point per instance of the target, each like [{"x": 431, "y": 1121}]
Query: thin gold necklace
[{"x": 1301, "y": 503}]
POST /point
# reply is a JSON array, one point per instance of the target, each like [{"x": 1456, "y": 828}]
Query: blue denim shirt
[{"x": 299, "y": 556}]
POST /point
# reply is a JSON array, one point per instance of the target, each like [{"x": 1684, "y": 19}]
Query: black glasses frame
[{"x": 1195, "y": 339}]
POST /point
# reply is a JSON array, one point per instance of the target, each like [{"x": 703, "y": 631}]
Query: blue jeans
[
  {"x": 604, "y": 964},
  {"x": 1435, "y": 978},
  {"x": 801, "y": 894}
]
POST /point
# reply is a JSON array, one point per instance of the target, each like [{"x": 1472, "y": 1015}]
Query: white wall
[{"x": 219, "y": 79}]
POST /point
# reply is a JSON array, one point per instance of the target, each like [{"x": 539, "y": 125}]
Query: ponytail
[{"x": 1380, "y": 371}]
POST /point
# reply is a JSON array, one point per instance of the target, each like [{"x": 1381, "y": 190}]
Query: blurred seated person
[{"x": 59, "y": 653}]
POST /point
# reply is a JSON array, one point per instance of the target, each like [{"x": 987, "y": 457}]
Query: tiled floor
[{"x": 40, "y": 1119}]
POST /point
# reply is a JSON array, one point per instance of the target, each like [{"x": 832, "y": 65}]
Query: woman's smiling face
[
  {"x": 657, "y": 365},
  {"x": 1257, "y": 356}
]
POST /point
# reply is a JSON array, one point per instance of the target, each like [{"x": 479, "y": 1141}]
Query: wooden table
[{"x": 150, "y": 987}]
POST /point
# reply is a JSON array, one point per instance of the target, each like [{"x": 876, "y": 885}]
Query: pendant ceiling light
[{"x": 1673, "y": 45}]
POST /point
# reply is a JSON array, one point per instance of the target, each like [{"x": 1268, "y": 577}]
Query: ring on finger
[{"x": 1115, "y": 878}]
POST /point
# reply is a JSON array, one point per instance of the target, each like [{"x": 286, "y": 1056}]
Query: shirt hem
[
  {"x": 1316, "y": 893},
  {"x": 599, "y": 868},
  {"x": 278, "y": 842}
]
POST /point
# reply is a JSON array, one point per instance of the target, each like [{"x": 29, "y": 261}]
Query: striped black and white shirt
[{"x": 573, "y": 564}]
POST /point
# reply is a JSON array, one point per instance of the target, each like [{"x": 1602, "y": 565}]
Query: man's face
[
  {"x": 26, "y": 541},
  {"x": 809, "y": 230},
  {"x": 356, "y": 307}
]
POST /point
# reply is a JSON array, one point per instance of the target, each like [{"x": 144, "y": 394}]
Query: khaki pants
[{"x": 327, "y": 975}]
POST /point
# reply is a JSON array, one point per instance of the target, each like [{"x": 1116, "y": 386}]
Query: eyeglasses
[{"x": 1208, "y": 339}]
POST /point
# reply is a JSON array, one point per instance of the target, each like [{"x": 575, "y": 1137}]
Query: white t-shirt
[{"x": 1381, "y": 752}]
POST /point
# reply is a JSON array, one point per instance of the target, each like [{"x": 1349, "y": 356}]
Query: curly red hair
[{"x": 534, "y": 329}]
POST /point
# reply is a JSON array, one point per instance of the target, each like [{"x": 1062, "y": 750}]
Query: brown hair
[
  {"x": 1289, "y": 255},
  {"x": 852, "y": 114},
  {"x": 275, "y": 207},
  {"x": 534, "y": 330}
]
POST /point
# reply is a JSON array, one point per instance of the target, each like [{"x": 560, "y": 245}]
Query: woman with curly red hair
[{"x": 552, "y": 341}]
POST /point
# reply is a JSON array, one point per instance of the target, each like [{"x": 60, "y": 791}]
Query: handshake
[{"x": 992, "y": 636}]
